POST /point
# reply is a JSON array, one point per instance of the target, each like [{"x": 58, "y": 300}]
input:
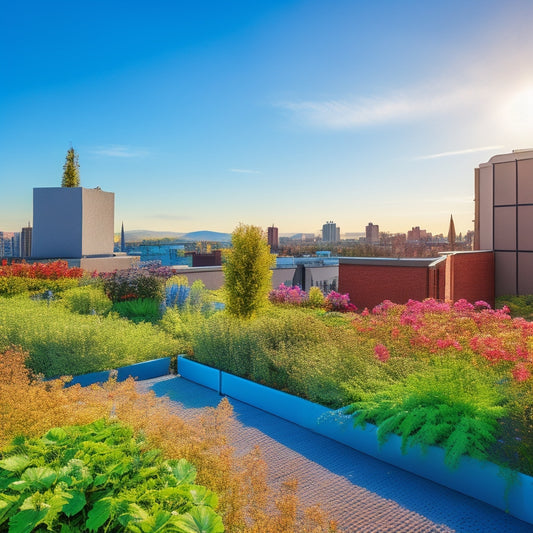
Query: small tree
[
  {"x": 71, "y": 170},
  {"x": 247, "y": 271}
]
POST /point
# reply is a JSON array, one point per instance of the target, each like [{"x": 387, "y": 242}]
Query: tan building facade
[{"x": 504, "y": 219}]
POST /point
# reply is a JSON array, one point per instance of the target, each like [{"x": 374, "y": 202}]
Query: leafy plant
[
  {"x": 449, "y": 405},
  {"x": 139, "y": 310},
  {"x": 86, "y": 300},
  {"x": 83, "y": 478}
]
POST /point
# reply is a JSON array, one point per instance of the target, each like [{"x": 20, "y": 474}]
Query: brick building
[{"x": 454, "y": 275}]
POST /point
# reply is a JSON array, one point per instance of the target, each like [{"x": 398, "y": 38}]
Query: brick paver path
[{"x": 361, "y": 493}]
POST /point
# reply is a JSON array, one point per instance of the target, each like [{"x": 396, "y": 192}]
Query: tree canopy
[
  {"x": 247, "y": 271},
  {"x": 71, "y": 170}
]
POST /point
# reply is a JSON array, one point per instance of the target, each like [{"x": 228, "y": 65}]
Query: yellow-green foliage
[
  {"x": 87, "y": 300},
  {"x": 247, "y": 271},
  {"x": 60, "y": 342},
  {"x": 13, "y": 285}
]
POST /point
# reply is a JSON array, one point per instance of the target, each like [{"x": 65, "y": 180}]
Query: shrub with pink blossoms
[
  {"x": 335, "y": 301},
  {"x": 288, "y": 295}
]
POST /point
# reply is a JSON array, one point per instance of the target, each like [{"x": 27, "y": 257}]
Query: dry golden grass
[{"x": 30, "y": 406}]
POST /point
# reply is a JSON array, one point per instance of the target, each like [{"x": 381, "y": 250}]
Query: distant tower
[
  {"x": 273, "y": 240},
  {"x": 451, "y": 234},
  {"x": 330, "y": 233},
  {"x": 122, "y": 239},
  {"x": 25, "y": 241},
  {"x": 372, "y": 233}
]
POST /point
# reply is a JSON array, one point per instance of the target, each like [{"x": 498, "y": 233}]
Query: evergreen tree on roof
[{"x": 71, "y": 170}]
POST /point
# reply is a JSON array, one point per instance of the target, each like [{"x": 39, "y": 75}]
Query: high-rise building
[
  {"x": 273, "y": 239},
  {"x": 25, "y": 241},
  {"x": 372, "y": 233},
  {"x": 330, "y": 232},
  {"x": 504, "y": 218}
]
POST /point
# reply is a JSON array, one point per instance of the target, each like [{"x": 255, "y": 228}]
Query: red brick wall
[
  {"x": 369, "y": 285},
  {"x": 471, "y": 277}
]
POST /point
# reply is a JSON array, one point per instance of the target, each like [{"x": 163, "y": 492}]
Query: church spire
[
  {"x": 451, "y": 234},
  {"x": 122, "y": 239}
]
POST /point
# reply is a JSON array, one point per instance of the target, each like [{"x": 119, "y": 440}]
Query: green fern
[{"x": 448, "y": 405}]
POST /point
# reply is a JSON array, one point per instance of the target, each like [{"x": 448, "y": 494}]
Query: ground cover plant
[
  {"x": 61, "y": 342},
  {"x": 100, "y": 475},
  {"x": 31, "y": 407}
]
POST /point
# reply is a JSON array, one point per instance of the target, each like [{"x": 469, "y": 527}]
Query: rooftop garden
[{"x": 457, "y": 375}]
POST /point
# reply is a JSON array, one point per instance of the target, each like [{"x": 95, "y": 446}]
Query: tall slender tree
[
  {"x": 71, "y": 170},
  {"x": 247, "y": 271}
]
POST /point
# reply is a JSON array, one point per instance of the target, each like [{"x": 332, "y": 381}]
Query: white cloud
[
  {"x": 119, "y": 151},
  {"x": 410, "y": 105},
  {"x": 459, "y": 152},
  {"x": 244, "y": 171}
]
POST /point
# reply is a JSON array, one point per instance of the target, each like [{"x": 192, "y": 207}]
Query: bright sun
[{"x": 518, "y": 113}]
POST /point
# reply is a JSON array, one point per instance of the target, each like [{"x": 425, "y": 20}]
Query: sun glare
[{"x": 518, "y": 113}]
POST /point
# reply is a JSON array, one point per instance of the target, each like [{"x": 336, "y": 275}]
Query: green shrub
[
  {"x": 12, "y": 285},
  {"x": 139, "y": 310},
  {"x": 100, "y": 477},
  {"x": 520, "y": 306},
  {"x": 86, "y": 300},
  {"x": 449, "y": 404},
  {"x": 63, "y": 343},
  {"x": 316, "y": 297}
]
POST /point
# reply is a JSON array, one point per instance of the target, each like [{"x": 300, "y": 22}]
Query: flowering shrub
[
  {"x": 53, "y": 270},
  {"x": 288, "y": 295},
  {"x": 296, "y": 296},
  {"x": 339, "y": 302},
  {"x": 133, "y": 283}
]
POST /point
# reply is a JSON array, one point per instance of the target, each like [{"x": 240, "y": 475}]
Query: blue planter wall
[{"x": 145, "y": 370}]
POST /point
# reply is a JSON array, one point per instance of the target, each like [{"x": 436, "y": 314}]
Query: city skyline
[{"x": 199, "y": 118}]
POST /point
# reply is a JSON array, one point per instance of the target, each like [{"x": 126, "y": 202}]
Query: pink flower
[
  {"x": 381, "y": 353},
  {"x": 365, "y": 312},
  {"x": 521, "y": 373}
]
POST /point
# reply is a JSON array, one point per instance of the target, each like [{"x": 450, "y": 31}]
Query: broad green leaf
[
  {"x": 133, "y": 515},
  {"x": 200, "y": 520},
  {"x": 55, "y": 436},
  {"x": 184, "y": 471},
  {"x": 15, "y": 463},
  {"x": 39, "y": 477},
  {"x": 100, "y": 512},
  {"x": 7, "y": 502},
  {"x": 76, "y": 502},
  {"x": 25, "y": 521},
  {"x": 200, "y": 495}
]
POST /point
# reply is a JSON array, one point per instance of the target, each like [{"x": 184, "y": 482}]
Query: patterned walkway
[{"x": 361, "y": 493}]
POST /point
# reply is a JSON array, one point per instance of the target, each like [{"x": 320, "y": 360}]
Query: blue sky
[{"x": 201, "y": 115}]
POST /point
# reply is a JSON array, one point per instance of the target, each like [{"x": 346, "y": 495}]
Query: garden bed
[{"x": 500, "y": 487}]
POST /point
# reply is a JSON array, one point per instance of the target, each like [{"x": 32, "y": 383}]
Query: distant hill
[
  {"x": 137, "y": 235},
  {"x": 145, "y": 235},
  {"x": 214, "y": 236}
]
